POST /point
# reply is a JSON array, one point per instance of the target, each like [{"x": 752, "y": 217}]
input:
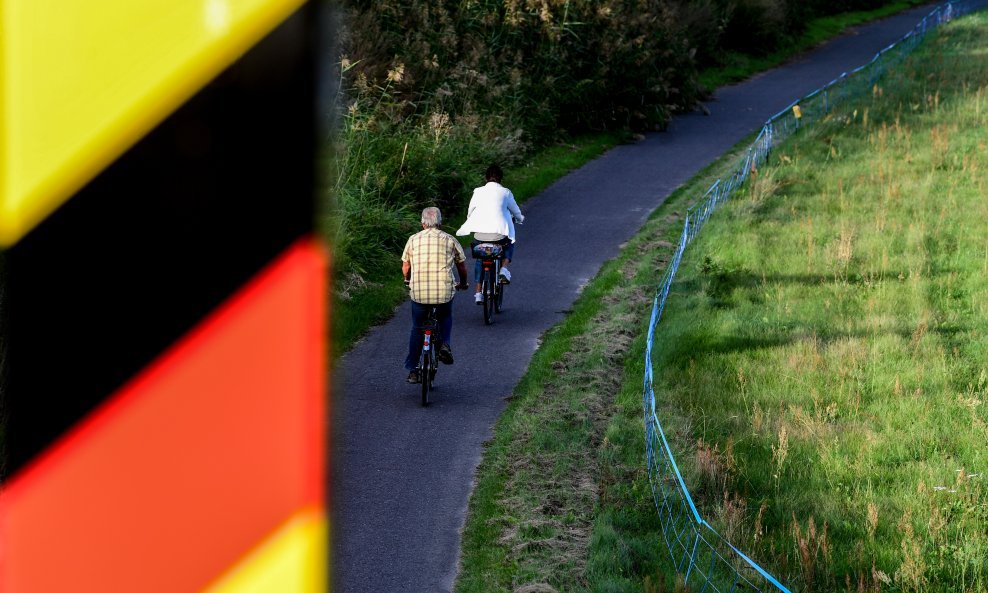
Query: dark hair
[{"x": 494, "y": 173}]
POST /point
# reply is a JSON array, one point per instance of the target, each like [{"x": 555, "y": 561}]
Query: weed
[
  {"x": 911, "y": 575},
  {"x": 872, "y": 520},
  {"x": 780, "y": 452},
  {"x": 813, "y": 548}
]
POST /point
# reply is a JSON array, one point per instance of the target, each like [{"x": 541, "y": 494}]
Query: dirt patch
[{"x": 536, "y": 588}]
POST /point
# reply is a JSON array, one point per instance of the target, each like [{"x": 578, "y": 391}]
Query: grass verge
[{"x": 823, "y": 374}]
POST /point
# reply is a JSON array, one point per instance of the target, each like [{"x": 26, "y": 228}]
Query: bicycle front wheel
[{"x": 499, "y": 296}]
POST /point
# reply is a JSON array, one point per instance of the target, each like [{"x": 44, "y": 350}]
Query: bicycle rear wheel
[
  {"x": 490, "y": 280},
  {"x": 426, "y": 376}
]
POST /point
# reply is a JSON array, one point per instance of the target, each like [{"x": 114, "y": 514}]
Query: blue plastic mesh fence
[{"x": 704, "y": 560}]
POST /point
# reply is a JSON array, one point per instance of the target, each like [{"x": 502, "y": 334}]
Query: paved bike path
[{"x": 402, "y": 474}]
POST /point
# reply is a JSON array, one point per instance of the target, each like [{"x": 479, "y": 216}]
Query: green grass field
[
  {"x": 822, "y": 368},
  {"x": 825, "y": 344}
]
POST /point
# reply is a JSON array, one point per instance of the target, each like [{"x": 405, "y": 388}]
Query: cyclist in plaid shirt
[{"x": 427, "y": 265}]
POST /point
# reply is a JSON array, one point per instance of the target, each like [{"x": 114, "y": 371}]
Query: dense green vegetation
[
  {"x": 821, "y": 370},
  {"x": 435, "y": 91}
]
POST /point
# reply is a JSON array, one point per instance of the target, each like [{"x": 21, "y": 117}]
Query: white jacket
[{"x": 491, "y": 210}]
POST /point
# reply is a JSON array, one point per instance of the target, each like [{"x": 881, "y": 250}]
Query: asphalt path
[{"x": 403, "y": 474}]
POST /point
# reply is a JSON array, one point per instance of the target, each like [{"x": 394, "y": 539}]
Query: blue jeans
[
  {"x": 509, "y": 255},
  {"x": 444, "y": 314}
]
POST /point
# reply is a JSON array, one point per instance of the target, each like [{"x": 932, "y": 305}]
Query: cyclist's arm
[
  {"x": 406, "y": 260},
  {"x": 460, "y": 259}
]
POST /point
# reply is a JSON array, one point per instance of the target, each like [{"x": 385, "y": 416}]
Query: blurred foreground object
[{"x": 162, "y": 298}]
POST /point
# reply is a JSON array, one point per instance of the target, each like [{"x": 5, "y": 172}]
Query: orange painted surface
[{"x": 193, "y": 463}]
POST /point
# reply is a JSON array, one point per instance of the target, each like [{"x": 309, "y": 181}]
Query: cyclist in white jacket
[{"x": 491, "y": 217}]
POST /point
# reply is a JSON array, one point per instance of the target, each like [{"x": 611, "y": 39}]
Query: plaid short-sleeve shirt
[{"x": 432, "y": 254}]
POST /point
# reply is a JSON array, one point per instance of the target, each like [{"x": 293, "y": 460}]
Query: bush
[{"x": 545, "y": 64}]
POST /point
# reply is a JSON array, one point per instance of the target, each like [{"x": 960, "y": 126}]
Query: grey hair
[{"x": 432, "y": 217}]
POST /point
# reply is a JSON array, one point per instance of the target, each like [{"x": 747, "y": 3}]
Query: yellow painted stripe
[
  {"x": 82, "y": 80},
  {"x": 293, "y": 560}
]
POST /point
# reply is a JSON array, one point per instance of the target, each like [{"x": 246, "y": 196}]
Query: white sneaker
[
  {"x": 505, "y": 276},
  {"x": 478, "y": 298}
]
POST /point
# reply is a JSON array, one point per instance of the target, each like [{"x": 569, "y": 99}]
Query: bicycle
[
  {"x": 491, "y": 255},
  {"x": 427, "y": 360}
]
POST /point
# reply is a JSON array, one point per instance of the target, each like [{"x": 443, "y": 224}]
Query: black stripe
[{"x": 160, "y": 238}]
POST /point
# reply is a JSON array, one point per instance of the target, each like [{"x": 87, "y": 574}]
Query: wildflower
[
  {"x": 512, "y": 13},
  {"x": 439, "y": 122},
  {"x": 544, "y": 14},
  {"x": 397, "y": 73}
]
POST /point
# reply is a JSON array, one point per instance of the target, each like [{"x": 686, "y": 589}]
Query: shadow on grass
[{"x": 691, "y": 345}]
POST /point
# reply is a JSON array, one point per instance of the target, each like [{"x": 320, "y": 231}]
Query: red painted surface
[{"x": 191, "y": 464}]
